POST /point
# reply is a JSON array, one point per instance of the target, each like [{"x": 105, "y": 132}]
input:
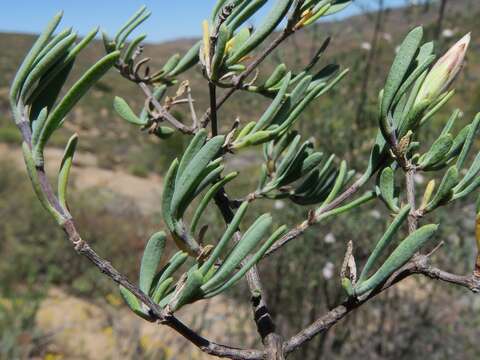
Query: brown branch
[
  {"x": 410, "y": 183},
  {"x": 418, "y": 265},
  {"x": 163, "y": 112},
  {"x": 300, "y": 229}
]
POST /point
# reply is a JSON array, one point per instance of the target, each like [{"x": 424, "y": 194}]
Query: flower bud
[{"x": 443, "y": 72}]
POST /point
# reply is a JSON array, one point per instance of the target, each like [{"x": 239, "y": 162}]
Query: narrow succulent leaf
[
  {"x": 277, "y": 75},
  {"x": 73, "y": 96},
  {"x": 459, "y": 142},
  {"x": 162, "y": 289},
  {"x": 207, "y": 198},
  {"x": 212, "y": 176},
  {"x": 133, "y": 303},
  {"x": 158, "y": 93},
  {"x": 127, "y": 55},
  {"x": 129, "y": 22},
  {"x": 187, "y": 61},
  {"x": 451, "y": 121},
  {"x": 173, "y": 265},
  {"x": 300, "y": 90},
  {"x": 122, "y": 36},
  {"x": 123, "y": 109},
  {"x": 369, "y": 195},
  {"x": 384, "y": 242},
  {"x": 237, "y": 19},
  {"x": 437, "y": 151},
  {"x": 224, "y": 240},
  {"x": 289, "y": 156},
  {"x": 192, "y": 149},
  {"x": 443, "y": 99},
  {"x": 387, "y": 188},
  {"x": 339, "y": 182},
  {"x": 37, "y": 47},
  {"x": 470, "y": 175},
  {"x": 268, "y": 25},
  {"x": 150, "y": 260},
  {"x": 254, "y": 259},
  {"x": 337, "y": 6},
  {"x": 400, "y": 66},
  {"x": 444, "y": 192},
  {"x": 404, "y": 251},
  {"x": 32, "y": 173},
  {"x": 38, "y": 124},
  {"x": 171, "y": 63},
  {"x": 413, "y": 77},
  {"x": 247, "y": 243},
  {"x": 217, "y": 61},
  {"x": 427, "y": 195},
  {"x": 190, "y": 291},
  {"x": 183, "y": 186},
  {"x": 168, "y": 190},
  {"x": 468, "y": 189},
  {"x": 468, "y": 142},
  {"x": 49, "y": 86},
  {"x": 64, "y": 172},
  {"x": 45, "y": 63},
  {"x": 51, "y": 44},
  {"x": 274, "y": 106}
]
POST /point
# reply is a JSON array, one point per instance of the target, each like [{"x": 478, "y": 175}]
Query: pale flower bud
[{"x": 444, "y": 71}]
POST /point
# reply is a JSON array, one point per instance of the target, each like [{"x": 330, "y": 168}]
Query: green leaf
[
  {"x": 339, "y": 182},
  {"x": 127, "y": 56},
  {"x": 437, "y": 151},
  {"x": 187, "y": 178},
  {"x": 384, "y": 242},
  {"x": 168, "y": 190},
  {"x": 470, "y": 175},
  {"x": 444, "y": 191},
  {"x": 387, "y": 188},
  {"x": 224, "y": 240},
  {"x": 400, "y": 66},
  {"x": 246, "y": 244},
  {"x": 64, "y": 172},
  {"x": 250, "y": 263},
  {"x": 27, "y": 63},
  {"x": 217, "y": 61},
  {"x": 404, "y": 251},
  {"x": 192, "y": 149},
  {"x": 150, "y": 260},
  {"x": 206, "y": 199},
  {"x": 271, "y": 21},
  {"x": 274, "y": 106},
  {"x": 187, "y": 61},
  {"x": 171, "y": 63},
  {"x": 277, "y": 75},
  {"x": 124, "y": 110},
  {"x": 46, "y": 63},
  {"x": 190, "y": 291},
  {"x": 38, "y": 124},
  {"x": 236, "y": 19},
  {"x": 71, "y": 98},
  {"x": 141, "y": 15},
  {"x": 468, "y": 142},
  {"x": 133, "y": 303}
]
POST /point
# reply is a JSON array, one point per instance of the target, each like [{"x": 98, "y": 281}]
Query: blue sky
[{"x": 170, "y": 18}]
